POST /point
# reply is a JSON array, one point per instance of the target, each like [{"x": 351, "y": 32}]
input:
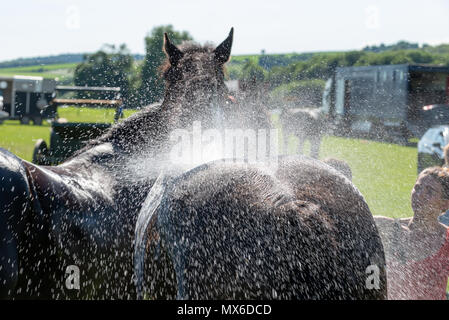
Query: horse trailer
[
  {"x": 68, "y": 137},
  {"x": 388, "y": 100},
  {"x": 27, "y": 98}
]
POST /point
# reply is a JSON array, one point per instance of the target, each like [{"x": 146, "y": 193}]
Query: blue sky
[{"x": 45, "y": 27}]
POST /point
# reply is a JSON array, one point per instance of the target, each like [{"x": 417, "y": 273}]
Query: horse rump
[{"x": 222, "y": 231}]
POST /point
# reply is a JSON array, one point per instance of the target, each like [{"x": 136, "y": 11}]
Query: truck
[
  {"x": 387, "y": 100},
  {"x": 26, "y": 98}
]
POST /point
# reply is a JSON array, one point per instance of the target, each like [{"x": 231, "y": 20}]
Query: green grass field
[
  {"x": 384, "y": 173},
  {"x": 20, "y": 139}
]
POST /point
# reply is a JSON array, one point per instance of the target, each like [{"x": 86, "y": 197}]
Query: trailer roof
[
  {"x": 21, "y": 77},
  {"x": 410, "y": 67},
  {"x": 428, "y": 68},
  {"x": 86, "y": 88}
]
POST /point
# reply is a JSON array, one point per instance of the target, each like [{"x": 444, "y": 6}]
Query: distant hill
[
  {"x": 48, "y": 60},
  {"x": 284, "y": 67},
  {"x": 61, "y": 71},
  {"x": 267, "y": 61},
  {"x": 35, "y": 61}
]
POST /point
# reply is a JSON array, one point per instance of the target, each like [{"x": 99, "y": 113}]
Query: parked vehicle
[
  {"x": 3, "y": 114},
  {"x": 68, "y": 137},
  {"x": 65, "y": 140},
  {"x": 430, "y": 147},
  {"x": 387, "y": 100},
  {"x": 24, "y": 98}
]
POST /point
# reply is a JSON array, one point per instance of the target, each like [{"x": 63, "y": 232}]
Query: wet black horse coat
[
  {"x": 84, "y": 211},
  {"x": 73, "y": 214},
  {"x": 300, "y": 230}
]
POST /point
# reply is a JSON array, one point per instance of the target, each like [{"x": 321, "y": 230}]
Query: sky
[{"x": 49, "y": 27}]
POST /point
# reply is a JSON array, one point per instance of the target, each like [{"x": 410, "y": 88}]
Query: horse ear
[
  {"x": 172, "y": 51},
  {"x": 223, "y": 51}
]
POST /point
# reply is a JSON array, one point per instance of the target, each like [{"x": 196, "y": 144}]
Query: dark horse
[
  {"x": 237, "y": 231},
  {"x": 298, "y": 229},
  {"x": 305, "y": 124},
  {"x": 83, "y": 212}
]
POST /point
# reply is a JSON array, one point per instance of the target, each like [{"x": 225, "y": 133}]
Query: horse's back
[{"x": 243, "y": 232}]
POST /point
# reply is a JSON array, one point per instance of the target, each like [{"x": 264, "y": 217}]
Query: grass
[
  {"x": 383, "y": 172},
  {"x": 20, "y": 139},
  {"x": 73, "y": 114}
]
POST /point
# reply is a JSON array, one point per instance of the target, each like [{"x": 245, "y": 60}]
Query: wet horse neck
[
  {"x": 145, "y": 131},
  {"x": 130, "y": 152},
  {"x": 136, "y": 149}
]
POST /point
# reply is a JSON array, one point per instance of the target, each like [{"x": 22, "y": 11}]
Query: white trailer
[{"x": 24, "y": 98}]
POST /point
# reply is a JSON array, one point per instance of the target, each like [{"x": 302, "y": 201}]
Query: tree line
[
  {"x": 288, "y": 75},
  {"x": 305, "y": 79},
  {"x": 112, "y": 66}
]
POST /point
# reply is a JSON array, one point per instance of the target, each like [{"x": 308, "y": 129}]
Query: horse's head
[{"x": 194, "y": 77}]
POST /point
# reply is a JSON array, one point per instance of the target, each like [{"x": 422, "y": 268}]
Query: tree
[
  {"x": 110, "y": 67},
  {"x": 401, "y": 45},
  {"x": 253, "y": 75},
  {"x": 251, "y": 71},
  {"x": 304, "y": 93},
  {"x": 152, "y": 86}
]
